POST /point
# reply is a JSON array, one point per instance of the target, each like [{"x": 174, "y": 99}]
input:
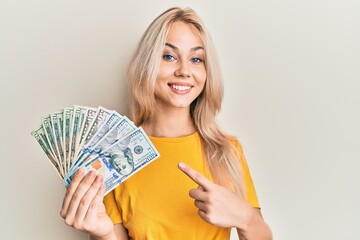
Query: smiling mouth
[{"x": 180, "y": 87}]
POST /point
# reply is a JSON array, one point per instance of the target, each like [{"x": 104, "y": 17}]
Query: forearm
[
  {"x": 119, "y": 233},
  {"x": 255, "y": 229},
  {"x": 111, "y": 236}
]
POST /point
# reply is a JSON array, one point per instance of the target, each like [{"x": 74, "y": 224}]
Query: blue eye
[
  {"x": 196, "y": 60},
  {"x": 168, "y": 57}
]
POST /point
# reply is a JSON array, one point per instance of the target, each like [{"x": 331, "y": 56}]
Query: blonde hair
[{"x": 221, "y": 157}]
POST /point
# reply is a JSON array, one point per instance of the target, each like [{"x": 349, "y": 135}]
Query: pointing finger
[{"x": 195, "y": 176}]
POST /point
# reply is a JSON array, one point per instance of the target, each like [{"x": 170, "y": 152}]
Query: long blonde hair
[{"x": 221, "y": 157}]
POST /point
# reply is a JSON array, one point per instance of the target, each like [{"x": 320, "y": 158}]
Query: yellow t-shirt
[{"x": 154, "y": 203}]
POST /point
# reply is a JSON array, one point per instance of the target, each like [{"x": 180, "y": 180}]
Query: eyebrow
[{"x": 176, "y": 48}]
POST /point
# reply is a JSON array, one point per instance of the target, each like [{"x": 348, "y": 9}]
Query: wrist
[
  {"x": 249, "y": 222},
  {"x": 254, "y": 227},
  {"x": 110, "y": 236}
]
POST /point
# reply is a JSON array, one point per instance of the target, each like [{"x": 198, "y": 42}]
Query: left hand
[{"x": 218, "y": 205}]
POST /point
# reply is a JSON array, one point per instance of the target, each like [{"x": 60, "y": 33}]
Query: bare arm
[
  {"x": 256, "y": 229},
  {"x": 120, "y": 233}
]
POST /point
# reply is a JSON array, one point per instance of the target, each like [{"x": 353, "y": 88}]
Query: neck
[{"x": 170, "y": 123}]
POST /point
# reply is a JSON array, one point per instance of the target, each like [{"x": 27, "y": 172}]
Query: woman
[{"x": 176, "y": 93}]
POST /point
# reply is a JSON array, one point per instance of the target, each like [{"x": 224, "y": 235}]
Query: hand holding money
[
  {"x": 94, "y": 139},
  {"x": 85, "y": 212}
]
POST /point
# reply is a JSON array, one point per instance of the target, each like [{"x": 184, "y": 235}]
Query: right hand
[{"x": 82, "y": 207}]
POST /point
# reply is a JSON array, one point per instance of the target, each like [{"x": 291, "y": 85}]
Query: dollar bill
[
  {"x": 109, "y": 123},
  {"x": 39, "y": 135},
  {"x": 90, "y": 115},
  {"x": 77, "y": 121},
  {"x": 120, "y": 130},
  {"x": 101, "y": 116},
  {"x": 67, "y": 135},
  {"x": 123, "y": 128},
  {"x": 84, "y": 111},
  {"x": 122, "y": 159},
  {"x": 94, "y": 139},
  {"x": 46, "y": 123},
  {"x": 57, "y": 127}
]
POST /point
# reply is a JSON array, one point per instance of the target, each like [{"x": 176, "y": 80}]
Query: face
[
  {"x": 122, "y": 164},
  {"x": 182, "y": 73}
]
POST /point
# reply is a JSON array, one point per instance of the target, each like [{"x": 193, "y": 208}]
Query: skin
[
  {"x": 221, "y": 207},
  {"x": 82, "y": 206},
  {"x": 181, "y": 79},
  {"x": 182, "y": 65}
]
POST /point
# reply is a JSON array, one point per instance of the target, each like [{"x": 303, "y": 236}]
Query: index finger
[
  {"x": 195, "y": 176},
  {"x": 70, "y": 190}
]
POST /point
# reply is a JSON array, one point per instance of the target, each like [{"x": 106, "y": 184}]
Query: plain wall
[{"x": 292, "y": 81}]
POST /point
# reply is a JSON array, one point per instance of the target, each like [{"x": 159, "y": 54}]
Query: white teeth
[{"x": 180, "y": 88}]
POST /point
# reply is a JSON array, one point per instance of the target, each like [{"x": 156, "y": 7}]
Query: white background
[{"x": 292, "y": 77}]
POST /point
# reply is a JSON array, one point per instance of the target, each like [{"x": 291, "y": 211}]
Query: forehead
[{"x": 184, "y": 35}]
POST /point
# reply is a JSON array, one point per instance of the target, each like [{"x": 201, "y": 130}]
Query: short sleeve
[
  {"x": 250, "y": 191},
  {"x": 112, "y": 208}
]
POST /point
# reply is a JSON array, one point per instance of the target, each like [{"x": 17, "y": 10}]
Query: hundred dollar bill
[
  {"x": 113, "y": 118},
  {"x": 57, "y": 127},
  {"x": 84, "y": 111},
  {"x": 90, "y": 115},
  {"x": 77, "y": 121},
  {"x": 39, "y": 135},
  {"x": 120, "y": 130},
  {"x": 67, "y": 135},
  {"x": 101, "y": 116},
  {"x": 121, "y": 160},
  {"x": 46, "y": 123}
]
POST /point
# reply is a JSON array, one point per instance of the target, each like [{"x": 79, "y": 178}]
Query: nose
[{"x": 183, "y": 70}]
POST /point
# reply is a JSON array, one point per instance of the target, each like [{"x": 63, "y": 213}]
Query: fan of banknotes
[{"x": 94, "y": 139}]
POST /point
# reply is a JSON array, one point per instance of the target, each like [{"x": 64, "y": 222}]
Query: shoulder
[{"x": 236, "y": 145}]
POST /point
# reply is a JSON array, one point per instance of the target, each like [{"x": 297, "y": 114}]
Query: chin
[
  {"x": 182, "y": 105},
  {"x": 175, "y": 103}
]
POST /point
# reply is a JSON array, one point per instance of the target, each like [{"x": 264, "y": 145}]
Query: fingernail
[
  {"x": 98, "y": 178},
  {"x": 91, "y": 173},
  {"x": 78, "y": 172},
  {"x": 181, "y": 165}
]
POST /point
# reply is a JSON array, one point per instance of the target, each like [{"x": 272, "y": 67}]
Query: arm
[
  {"x": 83, "y": 209},
  {"x": 256, "y": 229},
  {"x": 120, "y": 233},
  {"x": 221, "y": 207}
]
